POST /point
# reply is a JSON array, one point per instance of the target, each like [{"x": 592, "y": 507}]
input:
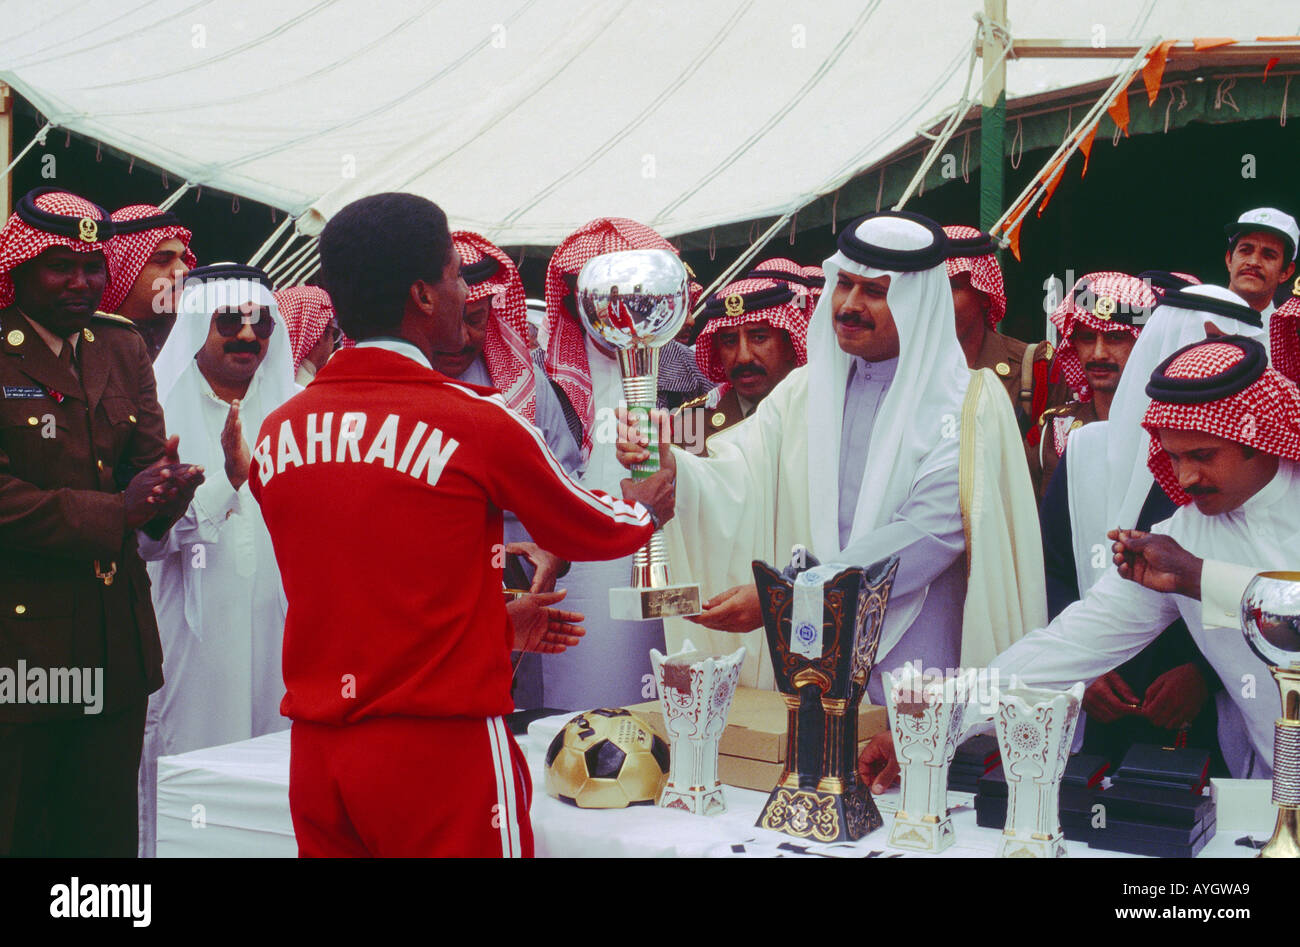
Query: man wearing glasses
[{"x": 216, "y": 587}]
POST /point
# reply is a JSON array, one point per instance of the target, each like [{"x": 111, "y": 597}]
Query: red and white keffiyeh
[
  {"x": 128, "y": 252},
  {"x": 791, "y": 316},
  {"x": 1103, "y": 302},
  {"x": 565, "y": 338},
  {"x": 1265, "y": 415},
  {"x": 307, "y": 312},
  {"x": 21, "y": 241},
  {"x": 1284, "y": 337},
  {"x": 985, "y": 274},
  {"x": 505, "y": 347}
]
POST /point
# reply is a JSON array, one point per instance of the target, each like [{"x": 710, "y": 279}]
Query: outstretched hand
[
  {"x": 631, "y": 446},
  {"x": 1156, "y": 562},
  {"x": 537, "y": 627},
  {"x": 735, "y": 610}
]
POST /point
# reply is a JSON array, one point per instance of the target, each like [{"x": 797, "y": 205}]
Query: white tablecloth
[{"x": 234, "y": 801}]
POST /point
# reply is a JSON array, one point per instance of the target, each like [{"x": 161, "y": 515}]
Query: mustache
[
  {"x": 746, "y": 371},
  {"x": 233, "y": 348},
  {"x": 855, "y": 319},
  {"x": 1200, "y": 491},
  {"x": 1101, "y": 367}
]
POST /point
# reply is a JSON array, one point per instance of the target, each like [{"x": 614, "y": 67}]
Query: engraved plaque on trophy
[
  {"x": 1270, "y": 620},
  {"x": 925, "y": 716},
  {"x": 823, "y": 626},
  {"x": 695, "y": 692},
  {"x": 635, "y": 302},
  {"x": 1035, "y": 728}
]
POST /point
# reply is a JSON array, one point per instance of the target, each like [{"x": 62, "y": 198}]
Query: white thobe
[
  {"x": 1117, "y": 618},
  {"x": 749, "y": 500},
  {"x": 221, "y": 661}
]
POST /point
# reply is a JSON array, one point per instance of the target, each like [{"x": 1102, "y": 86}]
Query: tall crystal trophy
[
  {"x": 1035, "y": 729},
  {"x": 635, "y": 302},
  {"x": 1270, "y": 620},
  {"x": 695, "y": 693},
  {"x": 823, "y": 626},
  {"x": 925, "y": 716}
]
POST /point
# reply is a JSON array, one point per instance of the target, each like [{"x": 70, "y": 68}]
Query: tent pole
[
  {"x": 6, "y": 149},
  {"x": 993, "y": 112},
  {"x": 270, "y": 241}
]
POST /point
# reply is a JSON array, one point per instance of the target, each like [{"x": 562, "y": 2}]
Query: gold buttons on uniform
[
  {"x": 20, "y": 609},
  {"x": 1077, "y": 423},
  {"x": 88, "y": 335},
  {"x": 718, "y": 419},
  {"x": 1002, "y": 368},
  {"x": 131, "y": 418},
  {"x": 33, "y": 421},
  {"x": 16, "y": 337}
]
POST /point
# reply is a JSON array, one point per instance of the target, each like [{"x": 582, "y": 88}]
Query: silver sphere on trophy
[
  {"x": 1270, "y": 621},
  {"x": 636, "y": 301}
]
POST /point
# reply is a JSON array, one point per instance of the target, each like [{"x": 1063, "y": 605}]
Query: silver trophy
[
  {"x": 635, "y": 302},
  {"x": 1270, "y": 621}
]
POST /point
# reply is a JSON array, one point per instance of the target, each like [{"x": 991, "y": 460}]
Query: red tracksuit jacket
[{"x": 382, "y": 486}]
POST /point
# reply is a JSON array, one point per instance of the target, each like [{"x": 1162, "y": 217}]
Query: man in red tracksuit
[{"x": 397, "y": 641}]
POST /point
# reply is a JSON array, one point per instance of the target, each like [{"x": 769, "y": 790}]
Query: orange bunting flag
[
  {"x": 1055, "y": 172},
  {"x": 1086, "y": 147},
  {"x": 1211, "y": 42},
  {"x": 1118, "y": 111},
  {"x": 1154, "y": 70},
  {"x": 1014, "y": 239},
  {"x": 1273, "y": 61}
]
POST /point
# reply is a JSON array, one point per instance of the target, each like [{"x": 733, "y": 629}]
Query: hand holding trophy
[{"x": 635, "y": 302}]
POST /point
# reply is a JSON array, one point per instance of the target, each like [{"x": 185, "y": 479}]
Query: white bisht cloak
[
  {"x": 216, "y": 586},
  {"x": 771, "y": 481}
]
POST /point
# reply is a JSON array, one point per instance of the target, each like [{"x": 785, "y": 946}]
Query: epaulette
[
  {"x": 695, "y": 402},
  {"x": 1043, "y": 351},
  {"x": 113, "y": 317}
]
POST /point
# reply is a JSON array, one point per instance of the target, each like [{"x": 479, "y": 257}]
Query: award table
[{"x": 233, "y": 801}]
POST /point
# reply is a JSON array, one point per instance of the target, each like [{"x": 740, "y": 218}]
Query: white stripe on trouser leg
[
  {"x": 508, "y": 767},
  {"x": 503, "y": 776}
]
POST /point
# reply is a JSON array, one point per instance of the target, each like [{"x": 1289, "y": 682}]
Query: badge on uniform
[{"x": 23, "y": 391}]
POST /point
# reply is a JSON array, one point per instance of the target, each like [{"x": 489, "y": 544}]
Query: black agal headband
[
  {"x": 165, "y": 219},
  {"x": 1217, "y": 387},
  {"x": 480, "y": 272},
  {"x": 899, "y": 261},
  {"x": 737, "y": 304},
  {"x": 1163, "y": 279},
  {"x": 85, "y": 229},
  {"x": 1215, "y": 307},
  {"x": 980, "y": 245},
  {"x": 220, "y": 271}
]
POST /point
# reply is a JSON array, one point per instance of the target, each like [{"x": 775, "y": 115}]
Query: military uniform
[
  {"x": 73, "y": 590},
  {"x": 1055, "y": 426},
  {"x": 697, "y": 419}
]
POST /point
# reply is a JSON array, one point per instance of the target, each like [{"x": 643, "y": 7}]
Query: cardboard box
[{"x": 751, "y": 752}]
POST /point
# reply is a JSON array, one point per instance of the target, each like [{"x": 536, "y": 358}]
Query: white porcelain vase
[
  {"x": 695, "y": 694},
  {"x": 925, "y": 716},
  {"x": 1035, "y": 728}
]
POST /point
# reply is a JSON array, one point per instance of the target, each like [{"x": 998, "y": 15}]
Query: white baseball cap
[{"x": 1266, "y": 220}]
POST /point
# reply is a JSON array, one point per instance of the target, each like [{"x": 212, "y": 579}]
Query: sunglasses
[{"x": 230, "y": 324}]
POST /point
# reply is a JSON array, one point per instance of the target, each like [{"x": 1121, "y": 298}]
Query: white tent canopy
[{"x": 524, "y": 118}]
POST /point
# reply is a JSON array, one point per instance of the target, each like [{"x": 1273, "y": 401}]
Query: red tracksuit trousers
[{"x": 409, "y": 787}]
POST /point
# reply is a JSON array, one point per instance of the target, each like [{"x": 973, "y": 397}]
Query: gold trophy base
[
  {"x": 819, "y": 816},
  {"x": 669, "y": 601},
  {"x": 920, "y": 835},
  {"x": 1285, "y": 842}
]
